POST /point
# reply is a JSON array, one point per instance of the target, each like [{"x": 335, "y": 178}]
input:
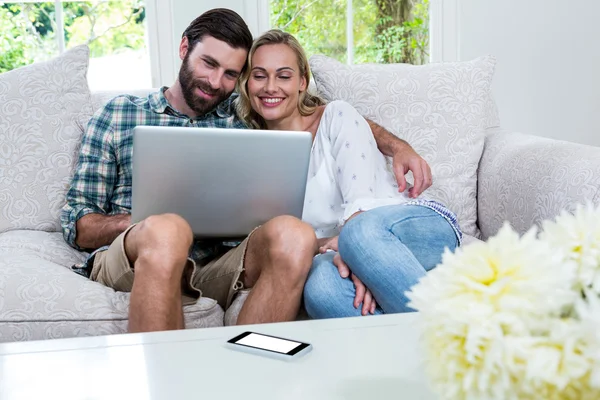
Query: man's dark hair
[{"x": 222, "y": 24}]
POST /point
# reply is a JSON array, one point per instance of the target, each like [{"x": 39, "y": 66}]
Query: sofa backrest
[
  {"x": 440, "y": 109},
  {"x": 35, "y": 201},
  {"x": 100, "y": 98}
]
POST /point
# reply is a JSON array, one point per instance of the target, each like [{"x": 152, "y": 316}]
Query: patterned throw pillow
[
  {"x": 441, "y": 110},
  {"x": 40, "y": 109}
]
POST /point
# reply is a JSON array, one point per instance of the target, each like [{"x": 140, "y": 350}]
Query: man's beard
[{"x": 189, "y": 84}]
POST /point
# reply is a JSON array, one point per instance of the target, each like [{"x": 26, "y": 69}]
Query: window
[
  {"x": 357, "y": 31},
  {"x": 114, "y": 30}
]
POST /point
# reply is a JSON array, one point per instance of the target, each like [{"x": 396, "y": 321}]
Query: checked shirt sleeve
[{"x": 95, "y": 175}]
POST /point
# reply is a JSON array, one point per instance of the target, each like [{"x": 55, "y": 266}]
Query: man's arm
[
  {"x": 387, "y": 143},
  {"x": 97, "y": 230},
  {"x": 83, "y": 218},
  {"x": 404, "y": 159}
]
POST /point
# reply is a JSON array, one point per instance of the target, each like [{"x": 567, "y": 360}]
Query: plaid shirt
[{"x": 102, "y": 180}]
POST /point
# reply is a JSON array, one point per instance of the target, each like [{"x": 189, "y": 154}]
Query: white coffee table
[{"x": 353, "y": 358}]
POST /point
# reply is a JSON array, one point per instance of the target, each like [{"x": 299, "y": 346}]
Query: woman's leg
[
  {"x": 391, "y": 248},
  {"x": 327, "y": 294}
]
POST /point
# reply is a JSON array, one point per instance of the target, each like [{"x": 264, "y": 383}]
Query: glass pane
[
  {"x": 391, "y": 31},
  {"x": 115, "y": 31},
  {"x": 319, "y": 25},
  {"x": 385, "y": 31},
  {"x": 28, "y": 34}
]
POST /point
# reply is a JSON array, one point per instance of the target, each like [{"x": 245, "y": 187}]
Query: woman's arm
[
  {"x": 356, "y": 158},
  {"x": 353, "y": 148},
  {"x": 357, "y": 163}
]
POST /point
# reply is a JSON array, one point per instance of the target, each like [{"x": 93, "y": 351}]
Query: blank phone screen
[{"x": 268, "y": 343}]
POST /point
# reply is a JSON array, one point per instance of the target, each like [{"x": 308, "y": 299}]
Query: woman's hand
[
  {"x": 363, "y": 295},
  {"x": 325, "y": 244}
]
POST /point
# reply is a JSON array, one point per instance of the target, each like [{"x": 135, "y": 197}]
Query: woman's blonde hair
[{"x": 307, "y": 102}]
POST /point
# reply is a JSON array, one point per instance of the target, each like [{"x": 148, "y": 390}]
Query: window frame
[
  {"x": 159, "y": 28},
  {"x": 444, "y": 30}
]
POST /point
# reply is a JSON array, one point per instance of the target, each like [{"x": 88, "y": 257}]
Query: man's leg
[
  {"x": 158, "y": 248},
  {"x": 278, "y": 258},
  {"x": 149, "y": 260}
]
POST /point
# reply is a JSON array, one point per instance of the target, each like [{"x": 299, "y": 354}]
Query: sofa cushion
[
  {"x": 100, "y": 98},
  {"x": 40, "y": 109},
  {"x": 42, "y": 299},
  {"x": 467, "y": 240},
  {"x": 439, "y": 109},
  {"x": 49, "y": 246},
  {"x": 491, "y": 114}
]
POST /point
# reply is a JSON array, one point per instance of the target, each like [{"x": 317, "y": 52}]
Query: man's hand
[
  {"x": 363, "y": 295},
  {"x": 406, "y": 159},
  {"x": 97, "y": 230}
]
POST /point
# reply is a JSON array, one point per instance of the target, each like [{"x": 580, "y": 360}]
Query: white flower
[
  {"x": 557, "y": 356},
  {"x": 588, "y": 311},
  {"x": 578, "y": 236},
  {"x": 554, "y": 364},
  {"x": 516, "y": 277},
  {"x": 480, "y": 308}
]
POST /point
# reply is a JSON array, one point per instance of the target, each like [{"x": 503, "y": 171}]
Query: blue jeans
[{"x": 389, "y": 249}]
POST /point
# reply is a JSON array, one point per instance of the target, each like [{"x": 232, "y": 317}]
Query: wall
[{"x": 547, "y": 79}]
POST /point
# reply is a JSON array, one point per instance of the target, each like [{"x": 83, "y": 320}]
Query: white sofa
[{"x": 519, "y": 178}]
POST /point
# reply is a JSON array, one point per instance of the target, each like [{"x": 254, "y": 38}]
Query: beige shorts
[{"x": 220, "y": 279}]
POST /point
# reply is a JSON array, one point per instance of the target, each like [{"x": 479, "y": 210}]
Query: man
[{"x": 273, "y": 260}]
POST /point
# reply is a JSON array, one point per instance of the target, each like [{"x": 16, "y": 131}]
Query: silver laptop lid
[{"x": 224, "y": 182}]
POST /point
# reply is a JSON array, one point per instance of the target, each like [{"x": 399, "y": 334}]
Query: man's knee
[
  {"x": 160, "y": 239},
  {"x": 289, "y": 234},
  {"x": 290, "y": 240},
  {"x": 158, "y": 229}
]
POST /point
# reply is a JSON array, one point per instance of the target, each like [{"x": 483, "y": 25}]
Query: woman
[{"x": 387, "y": 240}]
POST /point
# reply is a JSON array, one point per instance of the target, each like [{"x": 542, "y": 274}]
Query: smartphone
[{"x": 270, "y": 346}]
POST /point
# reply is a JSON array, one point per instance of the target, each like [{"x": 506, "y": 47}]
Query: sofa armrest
[{"x": 525, "y": 179}]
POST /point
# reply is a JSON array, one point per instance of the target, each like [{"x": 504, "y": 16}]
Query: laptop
[{"x": 223, "y": 182}]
